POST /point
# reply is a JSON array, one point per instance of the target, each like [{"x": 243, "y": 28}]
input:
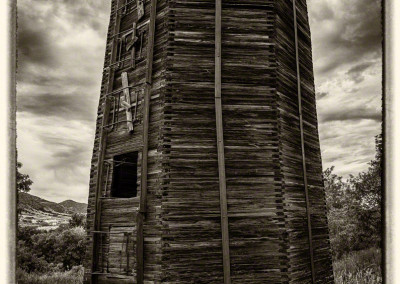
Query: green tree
[
  {"x": 23, "y": 181},
  {"x": 70, "y": 247},
  {"x": 354, "y": 207},
  {"x": 31, "y": 254},
  {"x": 23, "y": 185},
  {"x": 342, "y": 227},
  {"x": 366, "y": 195},
  {"x": 335, "y": 189}
]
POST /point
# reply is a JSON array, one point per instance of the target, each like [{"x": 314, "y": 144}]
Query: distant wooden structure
[{"x": 206, "y": 165}]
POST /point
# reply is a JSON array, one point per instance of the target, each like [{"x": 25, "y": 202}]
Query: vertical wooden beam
[
  {"x": 127, "y": 101},
  {"x": 220, "y": 146},
  {"x": 139, "y": 249},
  {"x": 102, "y": 147},
  {"x": 146, "y": 108},
  {"x": 127, "y": 252},
  {"x": 146, "y": 118},
  {"x": 302, "y": 143},
  {"x": 152, "y": 30}
]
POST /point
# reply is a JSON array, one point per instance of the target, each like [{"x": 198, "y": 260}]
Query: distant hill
[
  {"x": 38, "y": 212},
  {"x": 73, "y": 206},
  {"x": 29, "y": 201}
]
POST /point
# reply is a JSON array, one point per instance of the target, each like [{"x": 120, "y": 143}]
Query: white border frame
[{"x": 7, "y": 139}]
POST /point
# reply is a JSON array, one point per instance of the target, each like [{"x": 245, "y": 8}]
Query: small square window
[{"x": 124, "y": 184}]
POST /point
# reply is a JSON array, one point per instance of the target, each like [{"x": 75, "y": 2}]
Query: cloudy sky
[{"x": 61, "y": 47}]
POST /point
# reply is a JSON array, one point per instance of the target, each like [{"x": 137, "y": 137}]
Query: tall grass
[
  {"x": 73, "y": 276},
  {"x": 360, "y": 267}
]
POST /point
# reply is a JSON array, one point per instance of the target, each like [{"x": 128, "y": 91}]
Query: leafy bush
[
  {"x": 57, "y": 250},
  {"x": 70, "y": 247},
  {"x": 78, "y": 220},
  {"x": 29, "y": 261}
]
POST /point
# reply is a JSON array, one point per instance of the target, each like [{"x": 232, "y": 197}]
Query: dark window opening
[{"x": 124, "y": 183}]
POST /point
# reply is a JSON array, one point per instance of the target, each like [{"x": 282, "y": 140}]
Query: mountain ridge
[
  {"x": 74, "y": 206},
  {"x": 44, "y": 214},
  {"x": 68, "y": 206}
]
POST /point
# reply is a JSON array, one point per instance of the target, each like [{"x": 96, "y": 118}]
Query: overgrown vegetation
[
  {"x": 44, "y": 256},
  {"x": 359, "y": 267},
  {"x": 354, "y": 217},
  {"x": 354, "y": 207},
  {"x": 49, "y": 256},
  {"x": 73, "y": 276}
]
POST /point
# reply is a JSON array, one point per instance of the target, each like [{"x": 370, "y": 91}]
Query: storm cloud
[
  {"x": 349, "y": 31},
  {"x": 347, "y": 55},
  {"x": 354, "y": 114},
  {"x": 61, "y": 48},
  {"x": 61, "y": 45},
  {"x": 70, "y": 106}
]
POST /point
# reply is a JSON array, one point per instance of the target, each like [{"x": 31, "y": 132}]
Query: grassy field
[
  {"x": 361, "y": 267},
  {"x": 74, "y": 276}
]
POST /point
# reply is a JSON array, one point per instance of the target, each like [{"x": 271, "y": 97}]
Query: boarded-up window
[
  {"x": 124, "y": 182},
  {"x": 122, "y": 248}
]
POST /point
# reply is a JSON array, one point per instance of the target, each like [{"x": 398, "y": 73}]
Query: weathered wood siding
[
  {"x": 251, "y": 142},
  {"x": 120, "y": 212},
  {"x": 297, "y": 250},
  {"x": 192, "y": 250},
  {"x": 319, "y": 222},
  {"x": 269, "y": 240}
]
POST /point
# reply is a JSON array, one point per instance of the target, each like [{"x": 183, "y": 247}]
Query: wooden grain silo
[{"x": 206, "y": 165}]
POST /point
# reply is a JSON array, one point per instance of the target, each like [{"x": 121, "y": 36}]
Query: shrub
[
  {"x": 78, "y": 220},
  {"x": 41, "y": 251},
  {"x": 29, "y": 261},
  {"x": 361, "y": 267},
  {"x": 70, "y": 247}
]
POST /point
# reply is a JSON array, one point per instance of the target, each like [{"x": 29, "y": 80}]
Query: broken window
[{"x": 124, "y": 184}]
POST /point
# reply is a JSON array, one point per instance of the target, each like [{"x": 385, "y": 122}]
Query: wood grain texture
[
  {"x": 145, "y": 150},
  {"x": 220, "y": 146},
  {"x": 265, "y": 188}
]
